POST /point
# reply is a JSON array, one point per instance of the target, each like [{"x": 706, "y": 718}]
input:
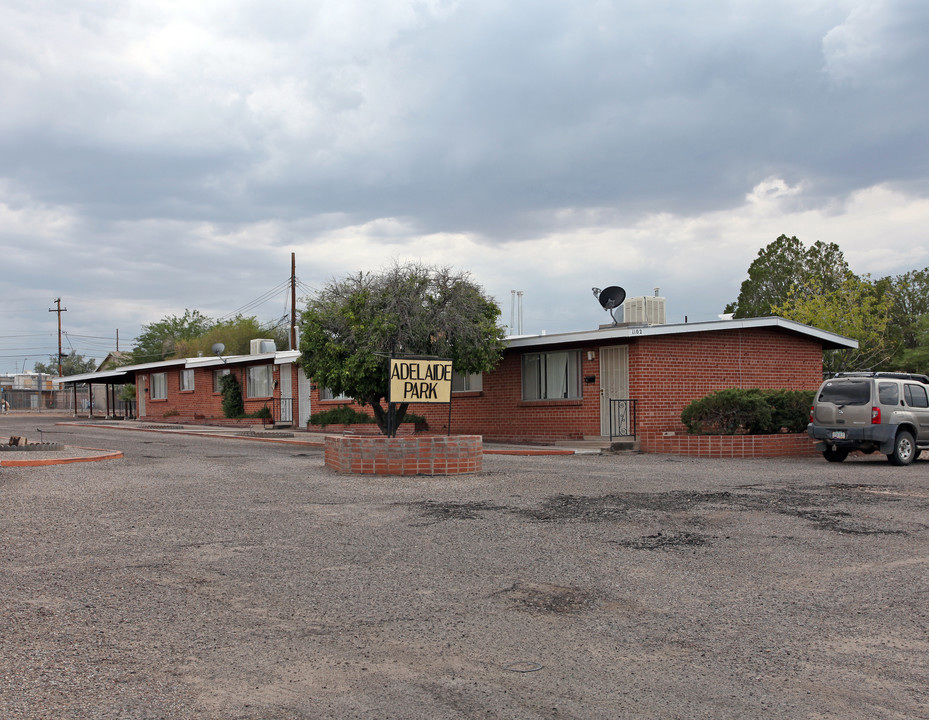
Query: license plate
[{"x": 838, "y": 434}]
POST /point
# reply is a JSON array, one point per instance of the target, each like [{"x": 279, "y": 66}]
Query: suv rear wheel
[
  {"x": 836, "y": 455},
  {"x": 904, "y": 449}
]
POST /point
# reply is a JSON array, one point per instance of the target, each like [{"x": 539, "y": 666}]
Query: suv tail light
[
  {"x": 811, "y": 413},
  {"x": 875, "y": 416}
]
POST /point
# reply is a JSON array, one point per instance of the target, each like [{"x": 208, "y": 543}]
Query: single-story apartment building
[{"x": 619, "y": 380}]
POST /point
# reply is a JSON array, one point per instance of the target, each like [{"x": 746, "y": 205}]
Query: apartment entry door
[{"x": 614, "y": 381}]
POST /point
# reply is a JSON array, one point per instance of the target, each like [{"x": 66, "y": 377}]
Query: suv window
[
  {"x": 846, "y": 392},
  {"x": 915, "y": 396},
  {"x": 889, "y": 393}
]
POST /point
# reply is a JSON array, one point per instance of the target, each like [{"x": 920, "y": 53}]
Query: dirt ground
[{"x": 215, "y": 578}]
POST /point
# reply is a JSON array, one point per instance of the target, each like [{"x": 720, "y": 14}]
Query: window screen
[{"x": 548, "y": 376}]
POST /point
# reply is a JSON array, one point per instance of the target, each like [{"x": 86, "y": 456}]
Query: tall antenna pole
[
  {"x": 293, "y": 301},
  {"x": 59, "y": 311},
  {"x": 513, "y": 312}
]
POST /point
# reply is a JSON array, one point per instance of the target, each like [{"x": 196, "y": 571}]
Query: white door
[
  {"x": 303, "y": 389},
  {"x": 614, "y": 382},
  {"x": 141, "y": 395},
  {"x": 287, "y": 394}
]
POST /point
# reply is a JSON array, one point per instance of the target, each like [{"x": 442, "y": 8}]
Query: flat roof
[
  {"x": 830, "y": 340},
  {"x": 124, "y": 372}
]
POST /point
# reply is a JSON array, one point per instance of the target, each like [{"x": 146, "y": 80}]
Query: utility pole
[
  {"x": 293, "y": 301},
  {"x": 59, "y": 311}
]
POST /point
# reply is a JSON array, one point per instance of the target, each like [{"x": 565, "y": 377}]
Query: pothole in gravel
[
  {"x": 614, "y": 507},
  {"x": 815, "y": 504},
  {"x": 661, "y": 541},
  {"x": 453, "y": 510},
  {"x": 547, "y": 598}
]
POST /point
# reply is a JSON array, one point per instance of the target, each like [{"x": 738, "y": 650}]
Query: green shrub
[
  {"x": 233, "y": 406},
  {"x": 750, "y": 411},
  {"x": 263, "y": 413},
  {"x": 790, "y": 409},
  {"x": 342, "y": 415}
]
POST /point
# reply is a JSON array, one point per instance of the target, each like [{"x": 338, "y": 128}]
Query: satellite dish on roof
[
  {"x": 218, "y": 348},
  {"x": 610, "y": 298}
]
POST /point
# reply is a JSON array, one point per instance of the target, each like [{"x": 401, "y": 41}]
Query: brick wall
[
  {"x": 730, "y": 446},
  {"x": 201, "y": 403},
  {"x": 456, "y": 455},
  {"x": 667, "y": 372}
]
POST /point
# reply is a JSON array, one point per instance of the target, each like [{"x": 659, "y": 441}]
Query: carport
[{"x": 111, "y": 380}]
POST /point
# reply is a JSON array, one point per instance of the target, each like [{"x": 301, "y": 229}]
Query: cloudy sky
[{"x": 168, "y": 154}]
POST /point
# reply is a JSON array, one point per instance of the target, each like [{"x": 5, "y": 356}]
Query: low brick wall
[
  {"x": 431, "y": 455},
  {"x": 730, "y": 446}
]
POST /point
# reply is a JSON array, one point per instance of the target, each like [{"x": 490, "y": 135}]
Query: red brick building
[{"x": 546, "y": 388}]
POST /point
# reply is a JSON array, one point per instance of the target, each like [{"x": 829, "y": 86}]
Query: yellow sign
[{"x": 420, "y": 381}]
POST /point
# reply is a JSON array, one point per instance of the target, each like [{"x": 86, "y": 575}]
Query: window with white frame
[
  {"x": 260, "y": 381},
  {"x": 472, "y": 382},
  {"x": 187, "y": 380},
  {"x": 327, "y": 394},
  {"x": 159, "y": 386},
  {"x": 217, "y": 379},
  {"x": 551, "y": 375}
]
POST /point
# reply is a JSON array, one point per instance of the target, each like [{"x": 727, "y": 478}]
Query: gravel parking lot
[{"x": 215, "y": 578}]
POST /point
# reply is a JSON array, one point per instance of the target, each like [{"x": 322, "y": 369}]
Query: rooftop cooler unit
[
  {"x": 644, "y": 310},
  {"x": 261, "y": 346}
]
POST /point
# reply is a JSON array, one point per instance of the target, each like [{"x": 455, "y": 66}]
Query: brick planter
[
  {"x": 431, "y": 455},
  {"x": 730, "y": 446}
]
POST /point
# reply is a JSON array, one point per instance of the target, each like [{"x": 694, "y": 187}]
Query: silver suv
[{"x": 872, "y": 411}]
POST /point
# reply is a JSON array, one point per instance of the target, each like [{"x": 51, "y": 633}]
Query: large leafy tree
[
  {"x": 351, "y": 326},
  {"x": 236, "y": 334},
  {"x": 159, "y": 340},
  {"x": 910, "y": 307},
  {"x": 916, "y": 358},
  {"x": 194, "y": 333},
  {"x": 73, "y": 364},
  {"x": 859, "y": 309},
  {"x": 786, "y": 268}
]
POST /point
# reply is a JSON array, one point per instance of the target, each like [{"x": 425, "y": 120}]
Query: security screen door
[{"x": 614, "y": 381}]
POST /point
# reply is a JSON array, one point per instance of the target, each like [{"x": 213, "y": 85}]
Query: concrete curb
[{"x": 104, "y": 455}]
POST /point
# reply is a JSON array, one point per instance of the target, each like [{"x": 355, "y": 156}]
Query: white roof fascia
[
  {"x": 635, "y": 331},
  {"x": 90, "y": 377},
  {"x": 280, "y": 357},
  {"x": 286, "y": 356},
  {"x": 118, "y": 372}
]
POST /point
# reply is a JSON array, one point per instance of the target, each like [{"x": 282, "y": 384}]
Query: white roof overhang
[
  {"x": 126, "y": 373},
  {"x": 622, "y": 332}
]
